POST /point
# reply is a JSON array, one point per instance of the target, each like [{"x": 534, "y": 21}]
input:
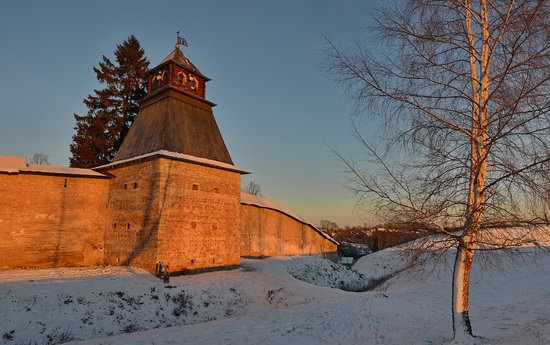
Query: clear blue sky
[{"x": 276, "y": 108}]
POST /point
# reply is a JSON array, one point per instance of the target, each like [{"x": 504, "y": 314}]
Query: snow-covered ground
[{"x": 264, "y": 303}]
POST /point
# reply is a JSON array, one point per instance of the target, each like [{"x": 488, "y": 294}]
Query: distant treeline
[{"x": 377, "y": 237}]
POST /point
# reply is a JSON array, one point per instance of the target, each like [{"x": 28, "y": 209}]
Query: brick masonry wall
[
  {"x": 45, "y": 224},
  {"x": 200, "y": 217},
  {"x": 186, "y": 215},
  {"x": 134, "y": 215},
  {"x": 182, "y": 214},
  {"x": 266, "y": 232}
]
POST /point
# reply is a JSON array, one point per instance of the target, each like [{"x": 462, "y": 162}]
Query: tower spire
[{"x": 180, "y": 41}]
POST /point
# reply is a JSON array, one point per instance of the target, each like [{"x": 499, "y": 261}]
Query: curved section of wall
[{"x": 267, "y": 229}]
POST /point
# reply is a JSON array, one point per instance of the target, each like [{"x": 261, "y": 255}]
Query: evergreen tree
[{"x": 111, "y": 110}]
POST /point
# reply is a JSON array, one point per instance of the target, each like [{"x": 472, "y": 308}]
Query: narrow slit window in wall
[
  {"x": 114, "y": 226},
  {"x": 128, "y": 226},
  {"x": 65, "y": 183},
  {"x": 195, "y": 186},
  {"x": 135, "y": 185},
  {"x": 125, "y": 186},
  {"x": 192, "y": 261}
]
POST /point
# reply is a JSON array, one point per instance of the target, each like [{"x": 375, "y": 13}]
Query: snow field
[{"x": 264, "y": 303}]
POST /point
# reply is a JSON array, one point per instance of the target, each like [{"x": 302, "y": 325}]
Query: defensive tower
[{"x": 175, "y": 194}]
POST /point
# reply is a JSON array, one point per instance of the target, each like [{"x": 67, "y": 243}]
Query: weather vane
[{"x": 181, "y": 41}]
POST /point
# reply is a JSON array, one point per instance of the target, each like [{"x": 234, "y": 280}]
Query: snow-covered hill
[{"x": 264, "y": 303}]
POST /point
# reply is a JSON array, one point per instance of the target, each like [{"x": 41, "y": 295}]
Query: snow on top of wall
[
  {"x": 17, "y": 164},
  {"x": 12, "y": 162},
  {"x": 178, "y": 156},
  {"x": 254, "y": 200}
]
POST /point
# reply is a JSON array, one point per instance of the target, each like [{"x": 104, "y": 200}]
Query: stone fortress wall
[
  {"x": 268, "y": 229},
  {"x": 49, "y": 218},
  {"x": 152, "y": 211},
  {"x": 168, "y": 211},
  {"x": 171, "y": 195},
  {"x": 200, "y": 222}
]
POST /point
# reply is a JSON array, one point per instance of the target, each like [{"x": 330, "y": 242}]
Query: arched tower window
[{"x": 182, "y": 78}]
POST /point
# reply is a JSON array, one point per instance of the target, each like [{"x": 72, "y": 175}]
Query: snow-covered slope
[
  {"x": 320, "y": 272},
  {"x": 263, "y": 303}
]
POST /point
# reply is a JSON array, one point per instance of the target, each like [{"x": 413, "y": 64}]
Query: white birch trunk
[
  {"x": 462, "y": 327},
  {"x": 478, "y": 170}
]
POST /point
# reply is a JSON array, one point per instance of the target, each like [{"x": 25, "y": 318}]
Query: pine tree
[{"x": 111, "y": 110}]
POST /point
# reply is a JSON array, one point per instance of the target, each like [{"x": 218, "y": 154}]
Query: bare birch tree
[
  {"x": 463, "y": 90},
  {"x": 252, "y": 188},
  {"x": 40, "y": 158}
]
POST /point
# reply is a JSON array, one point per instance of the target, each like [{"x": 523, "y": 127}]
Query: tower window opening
[{"x": 192, "y": 83}]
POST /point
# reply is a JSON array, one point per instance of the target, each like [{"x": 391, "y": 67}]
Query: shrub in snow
[
  {"x": 59, "y": 336},
  {"x": 130, "y": 328},
  {"x": 8, "y": 335},
  {"x": 184, "y": 303}
]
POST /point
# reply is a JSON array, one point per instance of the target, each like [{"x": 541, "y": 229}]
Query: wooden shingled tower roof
[
  {"x": 175, "y": 116},
  {"x": 177, "y": 57}
]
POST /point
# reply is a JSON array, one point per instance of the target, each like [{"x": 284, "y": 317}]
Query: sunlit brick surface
[
  {"x": 267, "y": 232},
  {"x": 182, "y": 214},
  {"x": 51, "y": 221}
]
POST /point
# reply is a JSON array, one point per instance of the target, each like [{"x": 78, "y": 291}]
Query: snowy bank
[{"x": 263, "y": 303}]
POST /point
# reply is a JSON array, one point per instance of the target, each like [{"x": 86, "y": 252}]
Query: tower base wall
[
  {"x": 177, "y": 213},
  {"x": 134, "y": 213},
  {"x": 200, "y": 221}
]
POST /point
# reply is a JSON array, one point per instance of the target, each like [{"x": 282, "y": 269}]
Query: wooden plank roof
[
  {"x": 179, "y": 58},
  {"x": 173, "y": 121}
]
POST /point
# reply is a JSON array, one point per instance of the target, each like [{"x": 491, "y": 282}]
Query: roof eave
[
  {"x": 175, "y": 156},
  {"x": 171, "y": 87}
]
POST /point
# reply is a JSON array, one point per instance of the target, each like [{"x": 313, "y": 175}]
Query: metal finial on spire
[{"x": 180, "y": 41}]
